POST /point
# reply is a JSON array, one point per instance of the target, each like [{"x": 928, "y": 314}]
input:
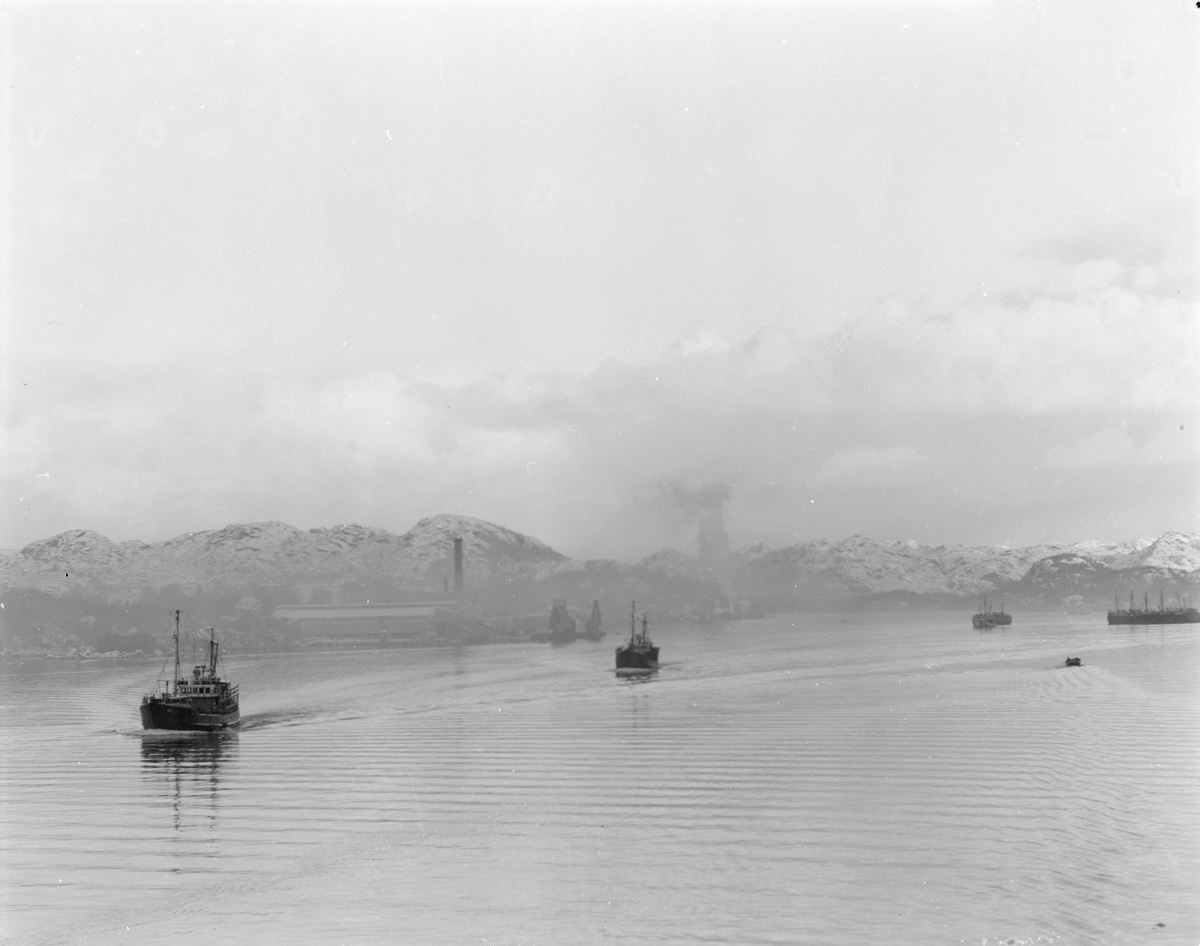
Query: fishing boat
[
  {"x": 201, "y": 702},
  {"x": 1181, "y": 613},
  {"x": 640, "y": 653},
  {"x": 987, "y": 618}
]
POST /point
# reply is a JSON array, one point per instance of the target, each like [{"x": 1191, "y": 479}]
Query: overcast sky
[{"x": 597, "y": 271}]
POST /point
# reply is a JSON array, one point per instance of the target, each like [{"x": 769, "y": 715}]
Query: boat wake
[{"x": 288, "y": 717}]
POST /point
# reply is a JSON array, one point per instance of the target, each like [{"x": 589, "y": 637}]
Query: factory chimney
[{"x": 458, "y": 567}]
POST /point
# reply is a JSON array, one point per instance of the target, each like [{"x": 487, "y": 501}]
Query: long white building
[{"x": 400, "y": 620}]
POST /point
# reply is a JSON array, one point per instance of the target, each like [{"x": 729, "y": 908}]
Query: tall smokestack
[{"x": 458, "y": 568}]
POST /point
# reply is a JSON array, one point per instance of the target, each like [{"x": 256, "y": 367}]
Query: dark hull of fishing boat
[
  {"x": 632, "y": 658},
  {"x": 639, "y": 655},
  {"x": 158, "y": 713},
  {"x": 1170, "y": 616}
]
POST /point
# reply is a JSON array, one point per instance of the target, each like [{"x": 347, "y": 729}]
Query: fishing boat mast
[
  {"x": 176, "y": 649},
  {"x": 632, "y": 620}
]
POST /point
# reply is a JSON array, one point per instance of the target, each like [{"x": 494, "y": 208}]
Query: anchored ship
[
  {"x": 989, "y": 618},
  {"x": 560, "y": 630},
  {"x": 202, "y": 702},
  {"x": 563, "y": 628},
  {"x": 640, "y": 653},
  {"x": 1180, "y": 614},
  {"x": 591, "y": 630}
]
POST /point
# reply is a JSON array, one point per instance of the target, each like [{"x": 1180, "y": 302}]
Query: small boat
[
  {"x": 203, "y": 702},
  {"x": 639, "y": 653},
  {"x": 1073, "y": 662},
  {"x": 987, "y": 618}
]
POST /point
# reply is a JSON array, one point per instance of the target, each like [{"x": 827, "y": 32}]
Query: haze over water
[{"x": 815, "y": 779}]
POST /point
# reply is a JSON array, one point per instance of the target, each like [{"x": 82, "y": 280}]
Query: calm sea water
[{"x": 823, "y": 780}]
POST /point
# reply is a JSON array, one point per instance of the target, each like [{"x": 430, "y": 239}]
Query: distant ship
[
  {"x": 639, "y": 653},
  {"x": 205, "y": 702},
  {"x": 1183, "y": 614},
  {"x": 563, "y": 628},
  {"x": 989, "y": 618},
  {"x": 562, "y": 625},
  {"x": 591, "y": 630}
]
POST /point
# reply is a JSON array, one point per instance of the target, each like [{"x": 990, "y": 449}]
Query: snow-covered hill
[
  {"x": 1175, "y": 551},
  {"x": 274, "y": 553},
  {"x": 860, "y": 566},
  {"x": 429, "y": 545},
  {"x": 350, "y": 560}
]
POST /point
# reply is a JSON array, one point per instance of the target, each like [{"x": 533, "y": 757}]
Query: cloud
[
  {"x": 1107, "y": 347},
  {"x": 1153, "y": 251},
  {"x": 1170, "y": 444},
  {"x": 873, "y": 466},
  {"x": 370, "y": 420},
  {"x": 701, "y": 340},
  {"x": 1103, "y": 448},
  {"x": 775, "y": 438},
  {"x": 942, "y": 422},
  {"x": 1114, "y": 447}
]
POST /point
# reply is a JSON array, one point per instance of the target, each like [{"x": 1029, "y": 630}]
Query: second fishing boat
[{"x": 639, "y": 654}]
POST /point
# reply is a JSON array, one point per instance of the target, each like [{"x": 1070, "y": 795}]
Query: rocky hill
[
  {"x": 1169, "y": 566},
  {"x": 859, "y": 567},
  {"x": 1172, "y": 551},
  {"x": 275, "y": 554}
]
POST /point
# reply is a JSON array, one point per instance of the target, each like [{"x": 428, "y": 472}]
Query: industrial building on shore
[
  {"x": 434, "y": 617},
  {"x": 390, "y": 622}
]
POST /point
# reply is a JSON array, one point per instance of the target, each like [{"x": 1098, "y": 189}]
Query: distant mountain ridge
[
  {"x": 859, "y": 565},
  {"x": 351, "y": 562},
  {"x": 273, "y": 552}
]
